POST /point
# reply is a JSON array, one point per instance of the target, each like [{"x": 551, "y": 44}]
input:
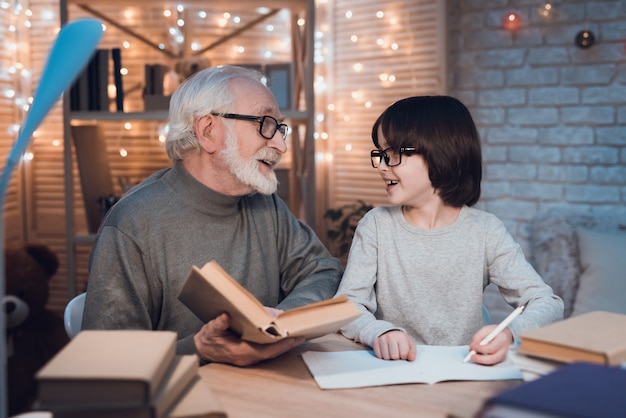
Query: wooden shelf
[
  {"x": 158, "y": 115},
  {"x": 100, "y": 116}
]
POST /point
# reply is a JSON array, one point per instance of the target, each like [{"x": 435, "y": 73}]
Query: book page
[{"x": 361, "y": 368}]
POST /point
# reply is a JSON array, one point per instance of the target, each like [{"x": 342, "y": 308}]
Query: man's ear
[{"x": 206, "y": 132}]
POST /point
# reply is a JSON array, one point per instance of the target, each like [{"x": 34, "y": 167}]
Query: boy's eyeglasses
[
  {"x": 268, "y": 125},
  {"x": 390, "y": 157}
]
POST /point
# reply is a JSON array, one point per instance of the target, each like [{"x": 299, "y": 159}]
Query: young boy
[{"x": 418, "y": 268}]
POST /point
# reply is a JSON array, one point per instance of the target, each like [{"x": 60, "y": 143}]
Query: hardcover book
[
  {"x": 180, "y": 376},
  {"x": 574, "y": 390},
  {"x": 198, "y": 402},
  {"x": 116, "y": 366},
  {"x": 596, "y": 337},
  {"x": 209, "y": 291}
]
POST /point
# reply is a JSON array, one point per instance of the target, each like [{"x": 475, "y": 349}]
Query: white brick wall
[{"x": 552, "y": 116}]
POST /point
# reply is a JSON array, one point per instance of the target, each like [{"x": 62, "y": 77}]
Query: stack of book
[
  {"x": 124, "y": 373},
  {"x": 596, "y": 337}
]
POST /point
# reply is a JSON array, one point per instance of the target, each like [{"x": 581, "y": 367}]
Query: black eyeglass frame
[
  {"x": 283, "y": 128},
  {"x": 377, "y": 154}
]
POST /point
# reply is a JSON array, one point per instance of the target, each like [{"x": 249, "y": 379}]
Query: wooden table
[{"x": 283, "y": 387}]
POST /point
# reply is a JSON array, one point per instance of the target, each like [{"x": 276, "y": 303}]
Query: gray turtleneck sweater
[{"x": 150, "y": 239}]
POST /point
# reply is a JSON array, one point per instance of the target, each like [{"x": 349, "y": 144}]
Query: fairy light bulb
[
  {"x": 511, "y": 21},
  {"x": 546, "y": 11}
]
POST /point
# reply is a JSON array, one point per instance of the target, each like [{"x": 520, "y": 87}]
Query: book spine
[
  {"x": 117, "y": 73},
  {"x": 148, "y": 89},
  {"x": 103, "y": 80},
  {"x": 92, "y": 81}
]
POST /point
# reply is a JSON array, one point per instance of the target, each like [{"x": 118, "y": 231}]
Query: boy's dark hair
[{"x": 442, "y": 130}]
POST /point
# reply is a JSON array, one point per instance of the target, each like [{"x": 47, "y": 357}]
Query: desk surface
[{"x": 283, "y": 387}]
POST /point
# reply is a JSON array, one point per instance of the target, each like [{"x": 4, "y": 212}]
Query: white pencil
[{"x": 497, "y": 330}]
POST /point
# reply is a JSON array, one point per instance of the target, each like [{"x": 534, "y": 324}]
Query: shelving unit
[{"x": 301, "y": 117}]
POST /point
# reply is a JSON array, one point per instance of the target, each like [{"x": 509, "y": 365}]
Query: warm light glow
[
  {"x": 380, "y": 14},
  {"x": 348, "y": 147},
  {"x": 123, "y": 152},
  {"x": 354, "y": 38},
  {"x": 128, "y": 126},
  {"x": 546, "y": 11},
  {"x": 348, "y": 14},
  {"x": 511, "y": 21},
  {"x": 358, "y": 67}
]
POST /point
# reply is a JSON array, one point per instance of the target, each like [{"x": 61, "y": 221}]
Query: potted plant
[{"x": 343, "y": 223}]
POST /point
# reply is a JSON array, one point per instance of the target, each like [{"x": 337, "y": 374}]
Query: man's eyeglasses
[
  {"x": 390, "y": 157},
  {"x": 268, "y": 125}
]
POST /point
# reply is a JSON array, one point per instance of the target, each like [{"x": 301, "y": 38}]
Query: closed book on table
[
  {"x": 596, "y": 337},
  {"x": 125, "y": 367},
  {"x": 181, "y": 374},
  {"x": 577, "y": 390},
  {"x": 198, "y": 401},
  {"x": 209, "y": 291}
]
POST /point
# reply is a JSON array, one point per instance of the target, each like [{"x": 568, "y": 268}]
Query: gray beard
[{"x": 247, "y": 171}]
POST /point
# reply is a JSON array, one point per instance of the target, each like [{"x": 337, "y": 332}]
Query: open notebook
[{"x": 361, "y": 368}]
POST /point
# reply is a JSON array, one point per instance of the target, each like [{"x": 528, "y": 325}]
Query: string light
[
  {"x": 511, "y": 21},
  {"x": 546, "y": 11}
]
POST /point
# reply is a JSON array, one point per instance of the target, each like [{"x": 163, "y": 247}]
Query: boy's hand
[
  {"x": 494, "y": 352},
  {"x": 395, "y": 345}
]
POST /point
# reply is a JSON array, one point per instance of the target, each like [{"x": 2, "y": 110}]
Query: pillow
[{"x": 602, "y": 283}]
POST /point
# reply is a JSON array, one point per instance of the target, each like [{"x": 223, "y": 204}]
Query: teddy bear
[{"x": 34, "y": 334}]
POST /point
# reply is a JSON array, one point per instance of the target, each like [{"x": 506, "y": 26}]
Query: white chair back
[{"x": 73, "y": 315}]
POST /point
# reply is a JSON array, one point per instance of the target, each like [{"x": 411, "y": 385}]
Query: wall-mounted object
[
  {"x": 585, "y": 39},
  {"x": 511, "y": 21}
]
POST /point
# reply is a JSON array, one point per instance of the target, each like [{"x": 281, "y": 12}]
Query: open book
[
  {"x": 209, "y": 291},
  {"x": 361, "y": 368}
]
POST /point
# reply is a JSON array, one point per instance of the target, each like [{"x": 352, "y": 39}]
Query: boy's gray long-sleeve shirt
[
  {"x": 430, "y": 282},
  {"x": 152, "y": 237}
]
